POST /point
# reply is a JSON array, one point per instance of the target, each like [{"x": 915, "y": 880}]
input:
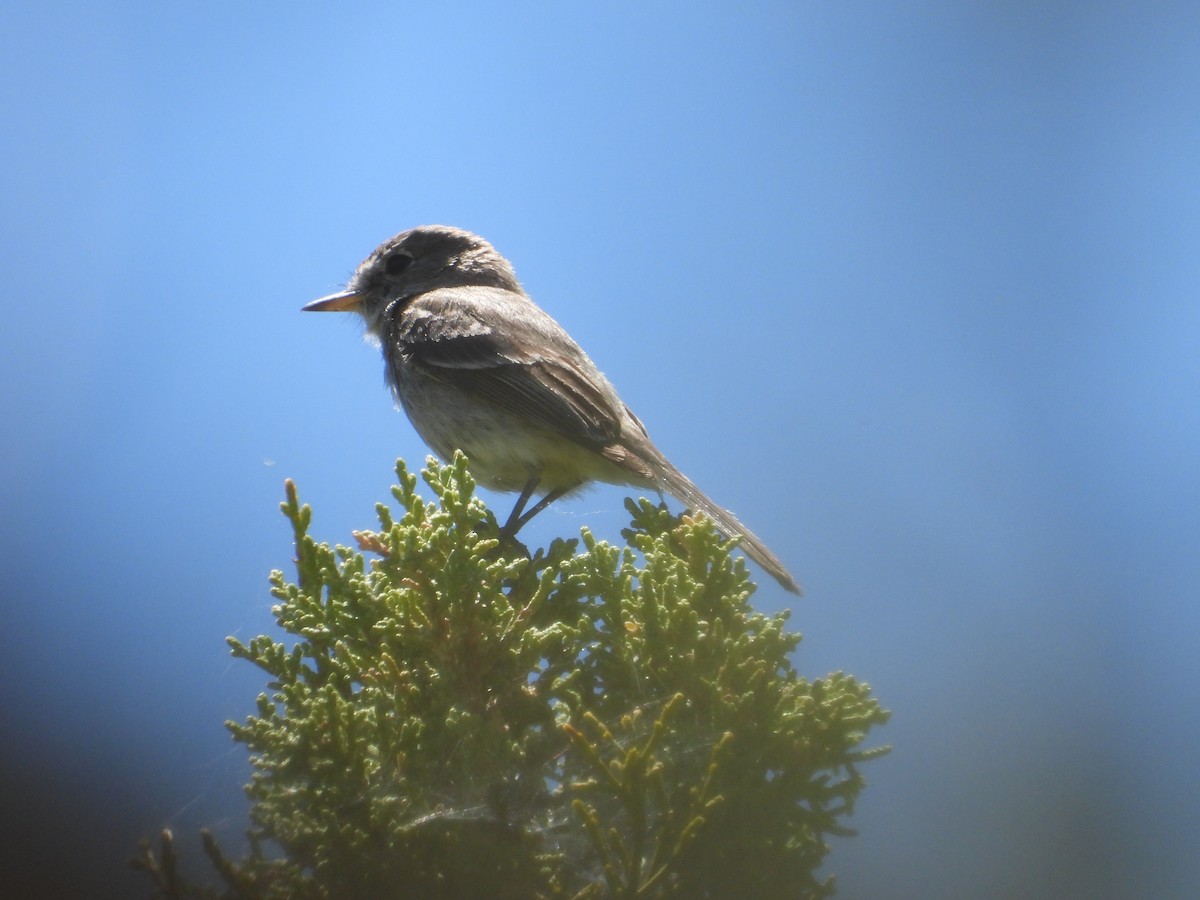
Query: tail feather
[{"x": 678, "y": 485}]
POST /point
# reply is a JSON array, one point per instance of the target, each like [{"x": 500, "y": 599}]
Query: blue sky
[{"x": 910, "y": 287}]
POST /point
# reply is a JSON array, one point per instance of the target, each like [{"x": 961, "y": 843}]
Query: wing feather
[{"x": 498, "y": 346}]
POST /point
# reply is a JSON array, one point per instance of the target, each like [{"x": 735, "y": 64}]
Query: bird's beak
[{"x": 345, "y": 301}]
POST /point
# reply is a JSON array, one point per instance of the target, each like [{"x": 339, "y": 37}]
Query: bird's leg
[
  {"x": 515, "y": 520},
  {"x": 544, "y": 502},
  {"x": 519, "y": 515}
]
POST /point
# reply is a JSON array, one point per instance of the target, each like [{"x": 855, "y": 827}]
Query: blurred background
[{"x": 935, "y": 263}]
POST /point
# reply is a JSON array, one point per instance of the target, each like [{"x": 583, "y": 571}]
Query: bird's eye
[{"x": 397, "y": 263}]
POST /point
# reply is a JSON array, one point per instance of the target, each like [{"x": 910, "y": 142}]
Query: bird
[{"x": 479, "y": 367}]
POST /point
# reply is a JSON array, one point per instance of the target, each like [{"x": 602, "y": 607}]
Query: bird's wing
[{"x": 498, "y": 346}]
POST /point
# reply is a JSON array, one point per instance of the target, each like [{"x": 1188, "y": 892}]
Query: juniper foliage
[{"x": 458, "y": 718}]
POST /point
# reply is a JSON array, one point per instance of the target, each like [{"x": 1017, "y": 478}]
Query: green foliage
[{"x": 459, "y": 719}]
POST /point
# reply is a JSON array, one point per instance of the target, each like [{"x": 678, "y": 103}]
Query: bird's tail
[{"x": 672, "y": 481}]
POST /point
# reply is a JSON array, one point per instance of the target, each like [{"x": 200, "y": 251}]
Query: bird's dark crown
[{"x": 430, "y": 257}]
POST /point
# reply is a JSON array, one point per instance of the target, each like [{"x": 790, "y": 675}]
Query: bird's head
[{"x": 414, "y": 262}]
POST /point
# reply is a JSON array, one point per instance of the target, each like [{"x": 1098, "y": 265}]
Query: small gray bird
[{"x": 479, "y": 367}]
